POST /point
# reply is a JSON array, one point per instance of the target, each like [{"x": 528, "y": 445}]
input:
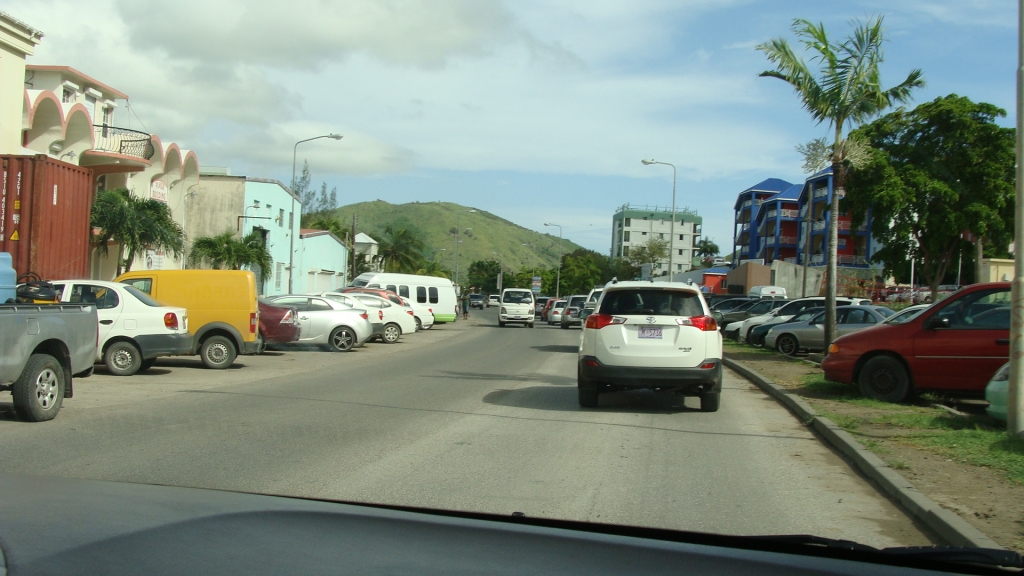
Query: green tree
[
  {"x": 401, "y": 249},
  {"x": 937, "y": 171},
  {"x": 847, "y": 92},
  {"x": 332, "y": 225},
  {"x": 433, "y": 268},
  {"x": 652, "y": 252},
  {"x": 483, "y": 274},
  {"x": 135, "y": 224},
  {"x": 229, "y": 251}
]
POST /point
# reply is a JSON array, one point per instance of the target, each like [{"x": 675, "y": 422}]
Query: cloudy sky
[{"x": 536, "y": 110}]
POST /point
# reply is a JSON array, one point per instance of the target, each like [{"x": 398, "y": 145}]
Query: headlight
[
  {"x": 1003, "y": 374},
  {"x": 769, "y": 332},
  {"x": 833, "y": 348}
]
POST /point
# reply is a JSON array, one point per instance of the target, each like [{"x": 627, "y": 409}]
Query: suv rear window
[{"x": 652, "y": 301}]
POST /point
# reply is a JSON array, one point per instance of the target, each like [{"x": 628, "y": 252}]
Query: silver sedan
[
  {"x": 325, "y": 321},
  {"x": 793, "y": 337}
]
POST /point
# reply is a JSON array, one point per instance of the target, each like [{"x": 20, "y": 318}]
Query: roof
[
  {"x": 719, "y": 270},
  {"x": 791, "y": 193},
  {"x": 364, "y": 239},
  {"x": 279, "y": 183},
  {"x": 71, "y": 71},
  {"x": 773, "y": 185}
]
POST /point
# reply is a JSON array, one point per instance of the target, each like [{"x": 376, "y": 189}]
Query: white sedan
[{"x": 396, "y": 319}]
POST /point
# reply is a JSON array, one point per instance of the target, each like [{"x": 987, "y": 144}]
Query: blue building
[
  {"x": 744, "y": 238},
  {"x": 856, "y": 247},
  {"x": 778, "y": 227}
]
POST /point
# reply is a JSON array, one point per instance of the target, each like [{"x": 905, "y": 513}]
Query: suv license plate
[{"x": 649, "y": 332}]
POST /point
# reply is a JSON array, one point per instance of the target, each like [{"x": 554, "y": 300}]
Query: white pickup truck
[
  {"x": 516, "y": 307},
  {"x": 41, "y": 348}
]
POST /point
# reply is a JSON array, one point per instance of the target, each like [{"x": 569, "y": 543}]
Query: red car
[
  {"x": 278, "y": 324},
  {"x": 954, "y": 346}
]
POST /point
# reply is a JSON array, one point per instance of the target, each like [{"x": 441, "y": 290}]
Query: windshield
[{"x": 457, "y": 164}]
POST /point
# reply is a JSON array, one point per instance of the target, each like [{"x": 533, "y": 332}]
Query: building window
[
  {"x": 289, "y": 220},
  {"x": 643, "y": 233},
  {"x": 280, "y": 218},
  {"x": 68, "y": 96},
  {"x": 681, "y": 237},
  {"x": 278, "y": 274},
  {"x": 661, "y": 236},
  {"x": 680, "y": 252},
  {"x": 108, "y": 116},
  {"x": 625, "y": 251},
  {"x": 679, "y": 266},
  {"x": 627, "y": 222},
  {"x": 662, "y": 221},
  {"x": 90, "y": 105},
  {"x": 625, "y": 236}
]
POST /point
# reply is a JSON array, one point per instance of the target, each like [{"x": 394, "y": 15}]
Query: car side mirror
[{"x": 936, "y": 322}]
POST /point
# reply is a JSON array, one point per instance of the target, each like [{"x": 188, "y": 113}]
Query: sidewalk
[{"x": 964, "y": 463}]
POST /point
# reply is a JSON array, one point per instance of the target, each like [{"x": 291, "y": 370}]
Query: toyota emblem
[{"x": 650, "y": 319}]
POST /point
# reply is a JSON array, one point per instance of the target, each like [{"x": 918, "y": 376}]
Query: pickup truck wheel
[
  {"x": 391, "y": 334},
  {"x": 217, "y": 352},
  {"x": 122, "y": 359},
  {"x": 710, "y": 401},
  {"x": 884, "y": 378},
  {"x": 342, "y": 339},
  {"x": 39, "y": 391}
]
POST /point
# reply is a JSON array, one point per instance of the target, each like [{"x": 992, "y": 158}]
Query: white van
[
  {"x": 517, "y": 307},
  {"x": 431, "y": 291},
  {"x": 768, "y": 292}
]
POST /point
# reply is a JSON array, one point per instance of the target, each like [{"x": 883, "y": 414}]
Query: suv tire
[
  {"x": 218, "y": 352},
  {"x": 39, "y": 391},
  {"x": 710, "y": 401}
]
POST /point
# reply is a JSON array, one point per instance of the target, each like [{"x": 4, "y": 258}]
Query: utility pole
[
  {"x": 355, "y": 218},
  {"x": 1015, "y": 394}
]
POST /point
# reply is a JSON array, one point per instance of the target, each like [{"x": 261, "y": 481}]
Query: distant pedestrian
[{"x": 465, "y": 304}]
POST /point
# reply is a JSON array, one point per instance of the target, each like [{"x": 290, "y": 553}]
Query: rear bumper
[
  {"x": 156, "y": 345},
  {"x": 695, "y": 380},
  {"x": 283, "y": 334},
  {"x": 250, "y": 347}
]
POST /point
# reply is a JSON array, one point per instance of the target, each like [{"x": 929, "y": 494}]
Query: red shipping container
[{"x": 44, "y": 216}]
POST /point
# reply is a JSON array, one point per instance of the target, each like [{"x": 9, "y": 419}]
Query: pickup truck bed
[{"x": 41, "y": 349}]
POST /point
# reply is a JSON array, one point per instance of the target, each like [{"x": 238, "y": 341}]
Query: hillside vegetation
[{"x": 434, "y": 223}]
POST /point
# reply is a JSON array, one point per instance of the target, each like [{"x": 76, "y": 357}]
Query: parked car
[
  {"x": 776, "y": 292},
  {"x": 653, "y": 336},
  {"x": 793, "y": 307},
  {"x": 953, "y": 347},
  {"x": 397, "y": 320},
  {"x": 278, "y": 324},
  {"x": 476, "y": 301},
  {"x": 539, "y": 303},
  {"x": 516, "y": 307},
  {"x": 134, "y": 329},
  {"x": 734, "y": 318},
  {"x": 40, "y": 364},
  {"x": 493, "y": 300},
  {"x": 907, "y": 314},
  {"x": 326, "y": 321},
  {"x": 997, "y": 393},
  {"x": 422, "y": 313},
  {"x": 544, "y": 309},
  {"x": 571, "y": 311},
  {"x": 793, "y": 337},
  {"x": 730, "y": 303},
  {"x": 755, "y": 337},
  {"x": 555, "y": 312},
  {"x": 222, "y": 308},
  {"x": 423, "y": 291}
]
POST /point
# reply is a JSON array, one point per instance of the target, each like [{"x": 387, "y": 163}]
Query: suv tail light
[
  {"x": 598, "y": 321},
  {"x": 254, "y": 320},
  {"x": 705, "y": 323},
  {"x": 171, "y": 321}
]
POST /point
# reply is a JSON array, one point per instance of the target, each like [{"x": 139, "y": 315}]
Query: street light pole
[
  {"x": 1015, "y": 386},
  {"x": 458, "y": 232},
  {"x": 672, "y": 224},
  {"x": 558, "y": 280},
  {"x": 291, "y": 225}
]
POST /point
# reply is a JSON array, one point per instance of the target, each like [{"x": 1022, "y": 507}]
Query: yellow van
[{"x": 223, "y": 313}]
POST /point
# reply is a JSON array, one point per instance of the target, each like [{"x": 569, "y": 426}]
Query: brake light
[
  {"x": 171, "y": 321},
  {"x": 431, "y": 310},
  {"x": 705, "y": 323},
  {"x": 364, "y": 316},
  {"x": 287, "y": 318},
  {"x": 598, "y": 321},
  {"x": 254, "y": 320},
  {"x": 380, "y": 314},
  {"x": 707, "y": 366},
  {"x": 409, "y": 312}
]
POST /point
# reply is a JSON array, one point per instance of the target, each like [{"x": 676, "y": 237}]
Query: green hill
[{"x": 434, "y": 223}]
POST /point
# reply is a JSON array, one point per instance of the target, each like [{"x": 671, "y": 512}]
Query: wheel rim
[
  {"x": 122, "y": 358},
  {"x": 391, "y": 333},
  {"x": 46, "y": 388},
  {"x": 217, "y": 353},
  {"x": 883, "y": 380},
  {"x": 342, "y": 340},
  {"x": 419, "y": 325},
  {"x": 787, "y": 345}
]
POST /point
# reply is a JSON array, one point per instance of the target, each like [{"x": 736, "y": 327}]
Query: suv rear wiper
[{"x": 955, "y": 554}]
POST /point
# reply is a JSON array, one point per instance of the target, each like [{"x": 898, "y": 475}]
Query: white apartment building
[{"x": 634, "y": 225}]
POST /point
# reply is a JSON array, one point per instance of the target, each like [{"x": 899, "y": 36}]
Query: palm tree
[
  {"x": 847, "y": 92},
  {"x": 228, "y": 251},
  {"x": 401, "y": 250},
  {"x": 136, "y": 224},
  {"x": 706, "y": 248},
  {"x": 432, "y": 268},
  {"x": 332, "y": 225}
]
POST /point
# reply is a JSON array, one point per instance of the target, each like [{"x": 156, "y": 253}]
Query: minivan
[{"x": 223, "y": 312}]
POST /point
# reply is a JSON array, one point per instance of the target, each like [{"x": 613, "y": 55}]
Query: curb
[{"x": 954, "y": 529}]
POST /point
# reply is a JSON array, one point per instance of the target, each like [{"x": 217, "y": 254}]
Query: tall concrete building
[{"x": 635, "y": 225}]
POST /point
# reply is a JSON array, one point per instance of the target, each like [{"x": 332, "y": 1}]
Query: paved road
[{"x": 466, "y": 416}]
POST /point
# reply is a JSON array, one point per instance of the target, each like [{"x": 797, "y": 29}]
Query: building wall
[
  {"x": 747, "y": 275},
  {"x": 996, "y": 270},
  {"x": 278, "y": 215},
  {"x": 322, "y": 264},
  {"x": 632, "y": 227},
  {"x": 16, "y": 42}
]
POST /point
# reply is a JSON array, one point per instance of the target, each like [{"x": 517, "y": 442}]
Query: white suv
[
  {"x": 651, "y": 336},
  {"x": 516, "y": 307}
]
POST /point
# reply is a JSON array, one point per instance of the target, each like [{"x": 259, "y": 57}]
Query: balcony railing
[
  {"x": 855, "y": 260},
  {"x": 818, "y": 259},
  {"x": 821, "y": 192},
  {"x": 790, "y": 260},
  {"x": 746, "y": 204},
  {"x": 844, "y": 225},
  {"x": 787, "y": 239},
  {"x": 771, "y": 214},
  {"x": 123, "y": 141},
  {"x": 818, "y": 226},
  {"x": 769, "y": 241},
  {"x": 746, "y": 226},
  {"x": 790, "y": 213}
]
